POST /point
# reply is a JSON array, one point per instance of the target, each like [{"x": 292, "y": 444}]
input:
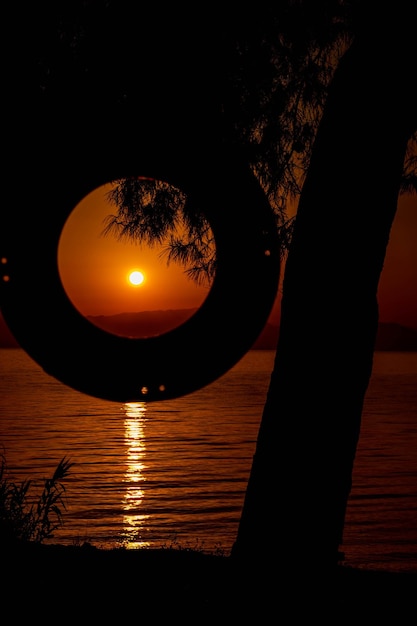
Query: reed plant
[{"x": 25, "y": 517}]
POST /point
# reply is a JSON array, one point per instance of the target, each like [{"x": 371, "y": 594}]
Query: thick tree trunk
[{"x": 300, "y": 480}]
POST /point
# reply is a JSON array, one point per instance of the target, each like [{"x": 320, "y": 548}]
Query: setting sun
[
  {"x": 136, "y": 278},
  {"x": 104, "y": 276}
]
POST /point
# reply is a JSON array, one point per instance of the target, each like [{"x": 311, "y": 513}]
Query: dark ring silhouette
[{"x": 92, "y": 361}]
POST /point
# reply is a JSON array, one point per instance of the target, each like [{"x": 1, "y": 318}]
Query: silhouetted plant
[{"x": 25, "y": 518}]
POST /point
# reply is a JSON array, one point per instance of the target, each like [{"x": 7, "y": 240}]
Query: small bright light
[{"x": 136, "y": 278}]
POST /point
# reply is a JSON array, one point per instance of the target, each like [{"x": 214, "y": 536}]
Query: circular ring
[{"x": 92, "y": 361}]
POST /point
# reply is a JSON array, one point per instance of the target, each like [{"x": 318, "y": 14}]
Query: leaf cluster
[
  {"x": 281, "y": 65},
  {"x": 155, "y": 213}
]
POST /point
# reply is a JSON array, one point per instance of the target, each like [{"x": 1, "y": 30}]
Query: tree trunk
[{"x": 300, "y": 480}]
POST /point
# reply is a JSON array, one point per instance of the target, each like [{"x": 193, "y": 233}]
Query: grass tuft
[{"x": 24, "y": 517}]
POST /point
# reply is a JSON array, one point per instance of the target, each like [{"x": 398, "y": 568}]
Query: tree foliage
[
  {"x": 278, "y": 68},
  {"x": 155, "y": 213}
]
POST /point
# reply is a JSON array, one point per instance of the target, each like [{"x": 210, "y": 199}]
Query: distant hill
[
  {"x": 142, "y": 324},
  {"x": 394, "y": 337},
  {"x": 390, "y": 337}
]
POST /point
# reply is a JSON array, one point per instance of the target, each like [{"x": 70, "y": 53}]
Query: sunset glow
[{"x": 104, "y": 276}]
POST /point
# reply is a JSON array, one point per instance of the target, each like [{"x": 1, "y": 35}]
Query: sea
[{"x": 174, "y": 473}]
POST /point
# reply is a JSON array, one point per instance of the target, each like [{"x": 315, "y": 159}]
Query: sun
[{"x": 136, "y": 278}]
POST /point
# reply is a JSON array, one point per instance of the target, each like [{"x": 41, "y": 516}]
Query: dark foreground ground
[{"x": 86, "y": 585}]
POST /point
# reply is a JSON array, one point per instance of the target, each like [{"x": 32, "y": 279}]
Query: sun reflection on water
[{"x": 134, "y": 519}]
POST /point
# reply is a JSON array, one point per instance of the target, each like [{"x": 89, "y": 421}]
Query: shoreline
[{"x": 170, "y": 582}]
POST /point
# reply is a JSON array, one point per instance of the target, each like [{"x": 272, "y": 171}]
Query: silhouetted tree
[{"x": 302, "y": 469}]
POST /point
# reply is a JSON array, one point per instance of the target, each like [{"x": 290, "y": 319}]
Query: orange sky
[
  {"x": 397, "y": 292},
  {"x": 94, "y": 269}
]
